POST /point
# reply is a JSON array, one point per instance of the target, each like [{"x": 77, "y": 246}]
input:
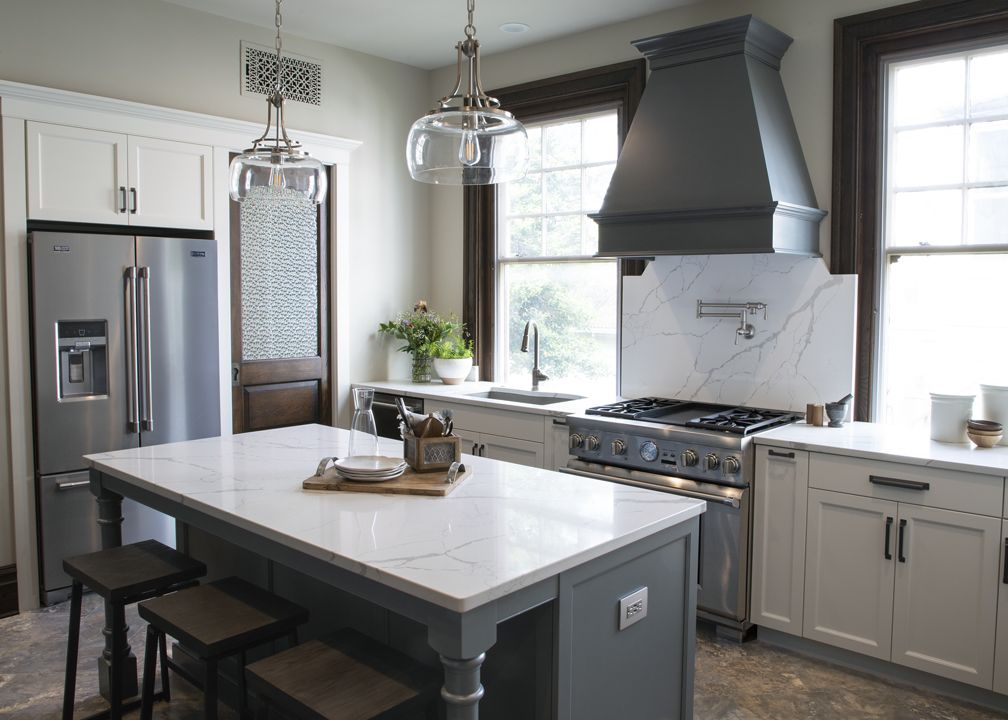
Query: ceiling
[{"x": 423, "y": 33}]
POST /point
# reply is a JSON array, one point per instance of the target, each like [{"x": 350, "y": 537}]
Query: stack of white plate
[{"x": 370, "y": 468}]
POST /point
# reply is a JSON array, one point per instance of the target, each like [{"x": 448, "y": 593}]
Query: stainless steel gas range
[{"x": 694, "y": 449}]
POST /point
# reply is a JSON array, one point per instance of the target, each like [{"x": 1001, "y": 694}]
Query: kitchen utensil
[
  {"x": 814, "y": 414},
  {"x": 982, "y": 439},
  {"x": 949, "y": 414},
  {"x": 404, "y": 413},
  {"x": 845, "y": 399},
  {"x": 836, "y": 412},
  {"x": 430, "y": 426}
]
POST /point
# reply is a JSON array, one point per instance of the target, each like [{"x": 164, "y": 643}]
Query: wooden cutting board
[{"x": 433, "y": 484}]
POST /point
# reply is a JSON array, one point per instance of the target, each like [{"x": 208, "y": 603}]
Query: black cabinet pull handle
[
  {"x": 898, "y": 483},
  {"x": 122, "y": 198},
  {"x": 776, "y": 453},
  {"x": 133, "y": 196},
  {"x": 899, "y": 552},
  {"x": 482, "y": 450},
  {"x": 474, "y": 448},
  {"x": 888, "y": 537},
  {"x": 1004, "y": 573}
]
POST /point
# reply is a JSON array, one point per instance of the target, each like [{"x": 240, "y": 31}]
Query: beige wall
[
  {"x": 154, "y": 52},
  {"x": 807, "y": 73}
]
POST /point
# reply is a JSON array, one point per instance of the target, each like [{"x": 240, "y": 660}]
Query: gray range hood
[{"x": 712, "y": 162}]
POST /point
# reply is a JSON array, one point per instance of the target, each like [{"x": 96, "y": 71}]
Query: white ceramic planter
[
  {"x": 949, "y": 414},
  {"x": 453, "y": 371},
  {"x": 994, "y": 406}
]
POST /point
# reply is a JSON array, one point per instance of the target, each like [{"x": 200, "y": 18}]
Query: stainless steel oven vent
[{"x": 302, "y": 76}]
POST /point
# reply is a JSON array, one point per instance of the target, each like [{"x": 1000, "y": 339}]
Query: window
[
  {"x": 920, "y": 198},
  {"x": 946, "y": 197},
  {"x": 528, "y": 245},
  {"x": 545, "y": 269}
]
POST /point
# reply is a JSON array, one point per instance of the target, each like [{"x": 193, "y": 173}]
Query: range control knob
[
  {"x": 732, "y": 465},
  {"x": 648, "y": 451},
  {"x": 689, "y": 458},
  {"x": 593, "y": 443},
  {"x": 712, "y": 461},
  {"x": 618, "y": 447},
  {"x": 576, "y": 441}
]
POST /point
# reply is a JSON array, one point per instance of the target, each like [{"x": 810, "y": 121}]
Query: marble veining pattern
[
  {"x": 803, "y": 352},
  {"x": 889, "y": 442},
  {"x": 508, "y": 526}
]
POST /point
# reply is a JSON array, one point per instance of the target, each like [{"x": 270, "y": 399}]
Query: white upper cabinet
[
  {"x": 83, "y": 175},
  {"x": 76, "y": 175}
]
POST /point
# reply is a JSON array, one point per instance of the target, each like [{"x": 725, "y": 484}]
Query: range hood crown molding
[{"x": 712, "y": 163}]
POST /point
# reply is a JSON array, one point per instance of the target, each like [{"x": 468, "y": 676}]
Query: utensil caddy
[{"x": 428, "y": 454}]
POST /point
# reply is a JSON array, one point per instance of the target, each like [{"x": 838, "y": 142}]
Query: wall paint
[
  {"x": 801, "y": 353},
  {"x": 807, "y": 73},
  {"x": 154, "y": 52}
]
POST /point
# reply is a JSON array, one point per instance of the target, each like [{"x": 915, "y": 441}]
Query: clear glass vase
[
  {"x": 421, "y": 368},
  {"x": 363, "y": 433}
]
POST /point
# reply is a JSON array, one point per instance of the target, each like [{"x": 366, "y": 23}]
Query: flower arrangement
[{"x": 423, "y": 331}]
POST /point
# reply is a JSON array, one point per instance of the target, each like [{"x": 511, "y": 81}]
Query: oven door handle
[{"x": 720, "y": 499}]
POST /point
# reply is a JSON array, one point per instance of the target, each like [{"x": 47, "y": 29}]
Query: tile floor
[{"x": 753, "y": 681}]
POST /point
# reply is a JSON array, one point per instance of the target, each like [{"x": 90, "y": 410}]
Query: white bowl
[{"x": 452, "y": 371}]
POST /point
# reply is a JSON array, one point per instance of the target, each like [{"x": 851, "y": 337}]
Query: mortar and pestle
[{"x": 837, "y": 411}]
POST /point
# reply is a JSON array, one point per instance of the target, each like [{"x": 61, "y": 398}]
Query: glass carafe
[{"x": 363, "y": 433}]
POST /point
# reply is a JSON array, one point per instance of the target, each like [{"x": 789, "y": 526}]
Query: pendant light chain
[
  {"x": 278, "y": 21},
  {"x": 470, "y": 28}
]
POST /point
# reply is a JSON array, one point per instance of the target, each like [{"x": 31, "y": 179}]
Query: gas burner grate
[
  {"x": 635, "y": 408},
  {"x": 743, "y": 421}
]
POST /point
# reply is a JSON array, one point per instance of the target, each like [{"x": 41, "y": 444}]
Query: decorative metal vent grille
[{"x": 301, "y": 78}]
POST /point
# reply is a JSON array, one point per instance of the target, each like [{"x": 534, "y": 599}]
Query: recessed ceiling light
[{"x": 514, "y": 27}]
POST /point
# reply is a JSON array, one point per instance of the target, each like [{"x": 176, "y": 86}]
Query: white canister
[
  {"x": 994, "y": 406},
  {"x": 949, "y": 414}
]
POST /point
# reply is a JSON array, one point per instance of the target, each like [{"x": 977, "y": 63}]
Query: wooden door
[
  {"x": 170, "y": 184},
  {"x": 76, "y": 175},
  {"x": 849, "y": 572},
  {"x": 946, "y": 593},
  {"x": 780, "y": 496},
  {"x": 279, "y": 313}
]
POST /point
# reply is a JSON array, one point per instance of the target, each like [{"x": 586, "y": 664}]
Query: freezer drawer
[{"x": 68, "y": 526}]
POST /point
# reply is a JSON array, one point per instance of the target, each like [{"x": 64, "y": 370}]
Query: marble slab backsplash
[{"x": 802, "y": 353}]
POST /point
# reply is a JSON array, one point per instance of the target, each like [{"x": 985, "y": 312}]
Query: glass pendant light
[
  {"x": 467, "y": 139},
  {"x": 276, "y": 165}
]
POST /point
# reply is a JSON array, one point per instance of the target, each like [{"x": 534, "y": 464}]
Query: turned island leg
[{"x": 462, "y": 689}]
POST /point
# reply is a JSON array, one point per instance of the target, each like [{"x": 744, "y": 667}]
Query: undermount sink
[{"x": 529, "y": 397}]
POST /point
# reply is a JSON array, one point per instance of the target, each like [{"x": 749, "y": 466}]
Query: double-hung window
[{"x": 944, "y": 249}]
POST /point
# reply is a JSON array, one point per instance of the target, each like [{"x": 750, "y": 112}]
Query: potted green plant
[
  {"x": 453, "y": 358},
  {"x": 422, "y": 330}
]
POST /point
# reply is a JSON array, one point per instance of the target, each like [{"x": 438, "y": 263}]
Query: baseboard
[
  {"x": 886, "y": 670},
  {"x": 8, "y": 591}
]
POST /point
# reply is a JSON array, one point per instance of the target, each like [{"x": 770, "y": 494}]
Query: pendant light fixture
[
  {"x": 275, "y": 164},
  {"x": 467, "y": 139}
]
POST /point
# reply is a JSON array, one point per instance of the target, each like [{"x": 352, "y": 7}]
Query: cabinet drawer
[
  {"x": 947, "y": 489},
  {"x": 524, "y": 426}
]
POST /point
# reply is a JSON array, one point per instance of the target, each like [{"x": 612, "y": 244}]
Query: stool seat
[
  {"x": 347, "y": 676},
  {"x": 223, "y": 617},
  {"x": 122, "y": 573}
]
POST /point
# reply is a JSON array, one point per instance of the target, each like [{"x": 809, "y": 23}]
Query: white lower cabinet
[
  {"x": 945, "y": 601},
  {"x": 849, "y": 572},
  {"x": 1001, "y": 643},
  {"x": 523, "y": 443},
  {"x": 513, "y": 450},
  {"x": 780, "y": 497}
]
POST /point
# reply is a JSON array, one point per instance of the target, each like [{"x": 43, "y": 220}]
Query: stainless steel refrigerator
[{"x": 124, "y": 354}]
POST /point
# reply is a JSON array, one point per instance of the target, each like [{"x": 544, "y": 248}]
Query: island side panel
[{"x": 605, "y": 672}]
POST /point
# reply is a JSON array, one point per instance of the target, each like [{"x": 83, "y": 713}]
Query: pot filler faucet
[{"x": 537, "y": 374}]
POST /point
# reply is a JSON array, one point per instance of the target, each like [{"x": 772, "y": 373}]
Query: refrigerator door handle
[
  {"x": 148, "y": 390},
  {"x": 132, "y": 399}
]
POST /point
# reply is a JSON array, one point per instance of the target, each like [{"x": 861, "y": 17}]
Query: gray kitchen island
[{"x": 613, "y": 566}]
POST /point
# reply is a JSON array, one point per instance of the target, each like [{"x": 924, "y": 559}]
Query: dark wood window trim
[
  {"x": 619, "y": 86},
  {"x": 861, "y": 42}
]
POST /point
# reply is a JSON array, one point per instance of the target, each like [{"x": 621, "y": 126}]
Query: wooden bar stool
[
  {"x": 121, "y": 575},
  {"x": 216, "y": 620},
  {"x": 347, "y": 676}
]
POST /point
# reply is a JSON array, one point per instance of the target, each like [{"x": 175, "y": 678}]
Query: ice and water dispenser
[{"x": 82, "y": 346}]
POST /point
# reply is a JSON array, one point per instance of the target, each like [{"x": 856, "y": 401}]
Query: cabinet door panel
[
  {"x": 848, "y": 580},
  {"x": 172, "y": 184},
  {"x": 946, "y": 594},
  {"x": 522, "y": 452},
  {"x": 469, "y": 441},
  {"x": 75, "y": 174},
  {"x": 780, "y": 495},
  {"x": 1001, "y": 647}
]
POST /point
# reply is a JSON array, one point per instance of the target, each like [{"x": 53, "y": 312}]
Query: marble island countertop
[
  {"x": 508, "y": 526},
  {"x": 891, "y": 443}
]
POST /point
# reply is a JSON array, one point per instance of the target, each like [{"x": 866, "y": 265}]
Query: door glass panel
[{"x": 279, "y": 278}]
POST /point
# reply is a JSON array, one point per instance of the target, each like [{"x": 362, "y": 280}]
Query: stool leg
[
  {"x": 150, "y": 658},
  {"x": 242, "y": 690},
  {"x": 119, "y": 645},
  {"x": 165, "y": 687},
  {"x": 210, "y": 691},
  {"x": 73, "y": 641}
]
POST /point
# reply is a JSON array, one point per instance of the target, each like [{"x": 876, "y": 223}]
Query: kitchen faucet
[{"x": 537, "y": 374}]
